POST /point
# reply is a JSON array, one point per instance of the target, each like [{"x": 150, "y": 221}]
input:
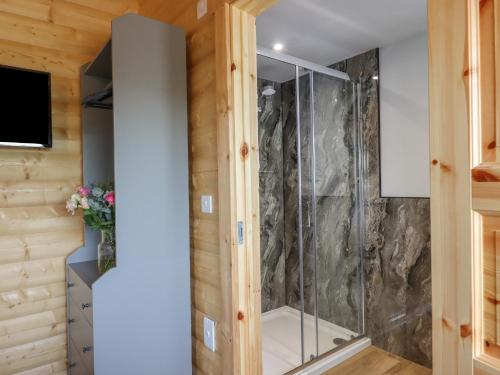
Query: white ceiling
[{"x": 327, "y": 31}]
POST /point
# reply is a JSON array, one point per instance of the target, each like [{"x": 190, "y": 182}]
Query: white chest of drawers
[{"x": 81, "y": 276}]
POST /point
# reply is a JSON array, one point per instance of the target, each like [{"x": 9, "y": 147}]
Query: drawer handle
[
  {"x": 86, "y": 305},
  {"x": 71, "y": 285},
  {"x": 87, "y": 348},
  {"x": 71, "y": 321}
]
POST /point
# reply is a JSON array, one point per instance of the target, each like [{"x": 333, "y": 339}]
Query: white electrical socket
[
  {"x": 209, "y": 333},
  {"x": 201, "y": 8},
  {"x": 206, "y": 204}
]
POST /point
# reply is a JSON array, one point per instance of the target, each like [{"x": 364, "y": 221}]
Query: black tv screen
[{"x": 25, "y": 108}]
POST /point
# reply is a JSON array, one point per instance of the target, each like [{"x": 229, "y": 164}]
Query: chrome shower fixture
[{"x": 268, "y": 91}]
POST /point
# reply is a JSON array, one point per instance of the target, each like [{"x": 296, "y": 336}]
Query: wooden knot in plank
[
  {"x": 492, "y": 145},
  {"x": 233, "y": 67},
  {"x": 492, "y": 300},
  {"x": 244, "y": 150},
  {"x": 241, "y": 316},
  {"x": 446, "y": 323},
  {"x": 465, "y": 330},
  {"x": 445, "y": 167}
]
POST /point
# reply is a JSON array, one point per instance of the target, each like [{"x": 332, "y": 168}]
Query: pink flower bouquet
[{"x": 98, "y": 205}]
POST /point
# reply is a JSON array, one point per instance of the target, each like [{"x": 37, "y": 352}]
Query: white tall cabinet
[{"x": 135, "y": 318}]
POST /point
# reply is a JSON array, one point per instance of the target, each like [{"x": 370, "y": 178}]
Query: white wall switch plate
[
  {"x": 209, "y": 333},
  {"x": 206, "y": 204},
  {"x": 201, "y": 8}
]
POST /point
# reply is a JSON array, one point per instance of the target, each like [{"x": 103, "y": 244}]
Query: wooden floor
[{"x": 375, "y": 361}]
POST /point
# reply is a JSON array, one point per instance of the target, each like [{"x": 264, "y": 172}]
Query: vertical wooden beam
[
  {"x": 449, "y": 74},
  {"x": 238, "y": 180}
]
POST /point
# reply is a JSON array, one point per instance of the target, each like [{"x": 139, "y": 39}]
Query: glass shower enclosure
[{"x": 311, "y": 210}]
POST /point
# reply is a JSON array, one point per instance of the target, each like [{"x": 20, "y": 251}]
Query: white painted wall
[{"x": 404, "y": 118}]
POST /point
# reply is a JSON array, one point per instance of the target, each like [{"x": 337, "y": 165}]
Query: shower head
[{"x": 268, "y": 91}]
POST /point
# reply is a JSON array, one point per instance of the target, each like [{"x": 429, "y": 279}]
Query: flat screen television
[{"x": 25, "y": 108}]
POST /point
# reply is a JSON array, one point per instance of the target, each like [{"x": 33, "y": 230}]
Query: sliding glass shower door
[
  {"x": 329, "y": 214},
  {"x": 322, "y": 210}
]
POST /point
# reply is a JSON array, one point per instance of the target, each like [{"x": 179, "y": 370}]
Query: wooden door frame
[
  {"x": 451, "y": 216},
  {"x": 238, "y": 161},
  {"x": 455, "y": 229},
  {"x": 458, "y": 200}
]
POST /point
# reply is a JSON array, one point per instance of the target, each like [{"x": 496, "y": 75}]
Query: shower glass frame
[{"x": 302, "y": 68}]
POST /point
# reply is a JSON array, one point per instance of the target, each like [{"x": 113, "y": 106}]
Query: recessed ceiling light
[{"x": 278, "y": 46}]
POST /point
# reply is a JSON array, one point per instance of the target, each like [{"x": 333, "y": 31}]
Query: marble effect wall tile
[
  {"x": 291, "y": 198},
  {"x": 398, "y": 280},
  {"x": 336, "y": 262},
  {"x": 397, "y": 259},
  {"x": 271, "y": 198}
]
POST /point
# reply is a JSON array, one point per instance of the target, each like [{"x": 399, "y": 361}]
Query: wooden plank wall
[
  {"x": 206, "y": 269},
  {"x": 36, "y": 233},
  {"x": 210, "y": 281}
]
